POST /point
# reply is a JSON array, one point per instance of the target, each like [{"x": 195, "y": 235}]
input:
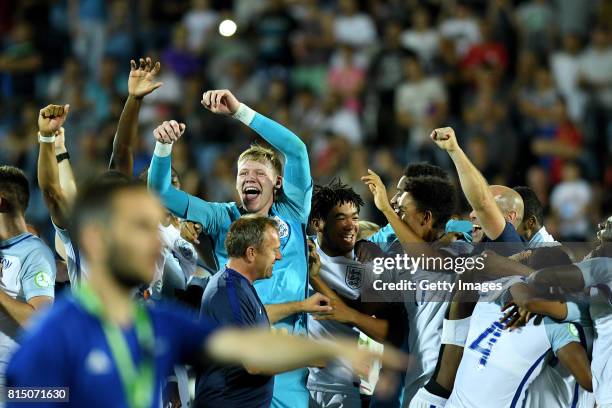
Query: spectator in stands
[
  {"x": 570, "y": 201},
  {"x": 353, "y": 27}
]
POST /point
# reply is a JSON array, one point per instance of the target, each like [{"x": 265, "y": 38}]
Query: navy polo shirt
[
  {"x": 67, "y": 348},
  {"x": 508, "y": 243},
  {"x": 231, "y": 299}
]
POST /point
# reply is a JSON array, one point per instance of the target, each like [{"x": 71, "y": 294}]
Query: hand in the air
[
  {"x": 142, "y": 78},
  {"x": 51, "y": 118},
  {"x": 220, "y": 101},
  {"x": 445, "y": 138},
  {"x": 378, "y": 189},
  {"x": 169, "y": 132}
]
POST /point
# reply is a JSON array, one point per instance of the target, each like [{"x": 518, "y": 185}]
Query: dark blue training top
[
  {"x": 508, "y": 243},
  {"x": 230, "y": 299},
  {"x": 68, "y": 348}
]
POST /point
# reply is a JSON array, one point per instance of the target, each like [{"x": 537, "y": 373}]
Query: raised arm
[
  {"x": 66, "y": 175},
  {"x": 297, "y": 179},
  {"x": 183, "y": 205},
  {"x": 50, "y": 120},
  {"x": 474, "y": 185},
  {"x": 410, "y": 241},
  {"x": 140, "y": 83}
]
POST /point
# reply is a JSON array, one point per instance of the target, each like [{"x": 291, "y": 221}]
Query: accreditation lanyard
[{"x": 138, "y": 382}]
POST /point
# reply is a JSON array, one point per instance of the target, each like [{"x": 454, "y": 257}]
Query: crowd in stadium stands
[
  {"x": 381, "y": 128},
  {"x": 528, "y": 85}
]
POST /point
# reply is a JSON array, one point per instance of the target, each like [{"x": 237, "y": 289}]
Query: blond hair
[{"x": 262, "y": 155}]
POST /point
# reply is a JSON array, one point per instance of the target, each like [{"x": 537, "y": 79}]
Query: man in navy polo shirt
[{"x": 253, "y": 245}]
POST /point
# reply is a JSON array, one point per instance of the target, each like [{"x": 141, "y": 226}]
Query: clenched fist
[
  {"x": 220, "y": 101},
  {"x": 169, "y": 132},
  {"x": 51, "y": 118},
  {"x": 445, "y": 139}
]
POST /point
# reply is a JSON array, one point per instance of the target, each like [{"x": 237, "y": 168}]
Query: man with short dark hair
[
  {"x": 27, "y": 267},
  {"x": 340, "y": 275},
  {"x": 419, "y": 215},
  {"x": 413, "y": 170},
  {"x": 253, "y": 246},
  {"x": 532, "y": 228}
]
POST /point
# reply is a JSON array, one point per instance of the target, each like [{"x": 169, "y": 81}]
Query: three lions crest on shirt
[{"x": 354, "y": 276}]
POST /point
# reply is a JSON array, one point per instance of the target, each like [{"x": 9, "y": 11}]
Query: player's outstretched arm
[
  {"x": 340, "y": 311},
  {"x": 474, "y": 185},
  {"x": 50, "y": 121},
  {"x": 264, "y": 351},
  {"x": 316, "y": 303},
  {"x": 297, "y": 177},
  {"x": 142, "y": 81}
]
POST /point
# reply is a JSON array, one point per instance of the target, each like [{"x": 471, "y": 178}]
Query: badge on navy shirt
[
  {"x": 97, "y": 362},
  {"x": 354, "y": 276}
]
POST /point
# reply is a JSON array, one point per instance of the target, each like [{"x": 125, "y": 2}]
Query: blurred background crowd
[{"x": 527, "y": 85}]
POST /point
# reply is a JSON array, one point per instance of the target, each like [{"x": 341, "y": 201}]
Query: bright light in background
[{"x": 227, "y": 28}]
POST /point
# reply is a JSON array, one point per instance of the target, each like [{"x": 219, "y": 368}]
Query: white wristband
[
  {"x": 244, "y": 114},
  {"x": 455, "y": 331},
  {"x": 45, "y": 139},
  {"x": 162, "y": 149}
]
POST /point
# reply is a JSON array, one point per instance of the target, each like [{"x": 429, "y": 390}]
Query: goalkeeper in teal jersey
[{"x": 265, "y": 188}]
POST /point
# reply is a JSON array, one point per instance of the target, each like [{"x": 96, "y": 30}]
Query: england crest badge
[
  {"x": 283, "y": 228},
  {"x": 354, "y": 276}
]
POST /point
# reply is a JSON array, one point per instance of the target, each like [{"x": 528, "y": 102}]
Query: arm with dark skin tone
[
  {"x": 574, "y": 357},
  {"x": 140, "y": 83},
  {"x": 526, "y": 304},
  {"x": 340, "y": 311},
  {"x": 410, "y": 241}
]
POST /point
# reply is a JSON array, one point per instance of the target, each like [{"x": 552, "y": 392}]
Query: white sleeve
[{"x": 596, "y": 271}]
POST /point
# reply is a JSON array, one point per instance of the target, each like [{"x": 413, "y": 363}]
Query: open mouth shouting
[{"x": 251, "y": 192}]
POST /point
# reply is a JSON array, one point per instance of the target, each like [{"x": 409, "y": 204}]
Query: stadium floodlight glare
[{"x": 227, "y": 28}]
